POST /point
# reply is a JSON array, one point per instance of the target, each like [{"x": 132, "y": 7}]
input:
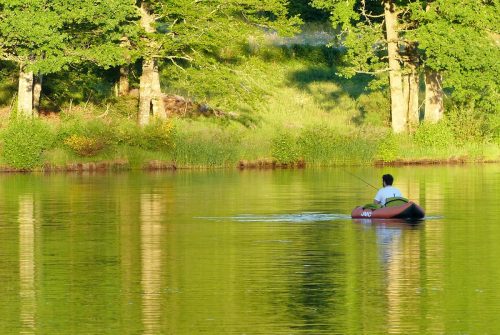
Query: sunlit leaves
[{"x": 48, "y": 35}]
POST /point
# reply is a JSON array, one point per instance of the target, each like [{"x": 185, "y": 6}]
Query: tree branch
[{"x": 373, "y": 72}]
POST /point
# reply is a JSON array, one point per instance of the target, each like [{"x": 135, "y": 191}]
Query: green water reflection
[{"x": 251, "y": 252}]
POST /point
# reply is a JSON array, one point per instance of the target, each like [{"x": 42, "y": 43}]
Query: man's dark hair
[{"x": 388, "y": 179}]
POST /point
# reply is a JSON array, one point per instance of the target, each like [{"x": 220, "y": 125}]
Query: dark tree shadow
[
  {"x": 354, "y": 86},
  {"x": 324, "y": 64}
]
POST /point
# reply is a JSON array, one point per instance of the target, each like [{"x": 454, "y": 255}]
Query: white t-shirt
[{"x": 387, "y": 192}]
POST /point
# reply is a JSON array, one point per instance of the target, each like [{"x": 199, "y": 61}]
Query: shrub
[
  {"x": 316, "y": 143},
  {"x": 95, "y": 128},
  {"x": 436, "y": 135},
  {"x": 126, "y": 106},
  {"x": 494, "y": 127},
  {"x": 24, "y": 141},
  {"x": 374, "y": 108},
  {"x": 158, "y": 135},
  {"x": 388, "y": 148},
  {"x": 127, "y": 132},
  {"x": 284, "y": 148},
  {"x": 84, "y": 146},
  {"x": 467, "y": 125}
]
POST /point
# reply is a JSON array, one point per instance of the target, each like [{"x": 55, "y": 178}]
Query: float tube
[{"x": 407, "y": 210}]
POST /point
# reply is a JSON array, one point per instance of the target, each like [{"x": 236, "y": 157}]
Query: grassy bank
[
  {"x": 107, "y": 143},
  {"x": 290, "y": 109}
]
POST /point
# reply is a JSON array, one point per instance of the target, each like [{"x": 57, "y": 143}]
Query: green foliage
[
  {"x": 374, "y": 109},
  {"x": 89, "y": 137},
  {"x": 126, "y": 106},
  {"x": 458, "y": 39},
  {"x": 197, "y": 32},
  {"x": 84, "y": 146},
  {"x": 24, "y": 142},
  {"x": 8, "y": 82},
  {"x": 222, "y": 84},
  {"x": 209, "y": 147},
  {"x": 306, "y": 11},
  {"x": 494, "y": 127},
  {"x": 362, "y": 37},
  {"x": 317, "y": 143},
  {"x": 284, "y": 148},
  {"x": 159, "y": 135},
  {"x": 323, "y": 145},
  {"x": 85, "y": 137},
  {"x": 48, "y": 36},
  {"x": 467, "y": 125},
  {"x": 388, "y": 148},
  {"x": 438, "y": 135},
  {"x": 87, "y": 84},
  {"x": 89, "y": 128},
  {"x": 128, "y": 133}
]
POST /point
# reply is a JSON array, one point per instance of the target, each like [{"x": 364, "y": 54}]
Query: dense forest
[{"x": 184, "y": 83}]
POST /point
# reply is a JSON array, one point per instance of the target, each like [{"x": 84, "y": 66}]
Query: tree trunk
[
  {"x": 157, "y": 102},
  {"x": 37, "y": 93},
  {"x": 413, "y": 110},
  {"x": 411, "y": 92},
  {"x": 398, "y": 110},
  {"x": 434, "y": 108},
  {"x": 25, "y": 92},
  {"x": 150, "y": 95},
  {"x": 145, "y": 92},
  {"x": 123, "y": 83}
]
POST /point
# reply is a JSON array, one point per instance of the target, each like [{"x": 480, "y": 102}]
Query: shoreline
[{"x": 157, "y": 165}]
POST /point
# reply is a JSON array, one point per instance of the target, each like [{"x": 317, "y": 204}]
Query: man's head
[{"x": 387, "y": 179}]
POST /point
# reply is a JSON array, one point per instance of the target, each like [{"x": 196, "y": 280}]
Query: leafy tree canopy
[{"x": 48, "y": 35}]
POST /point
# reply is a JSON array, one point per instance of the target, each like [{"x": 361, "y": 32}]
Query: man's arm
[{"x": 378, "y": 197}]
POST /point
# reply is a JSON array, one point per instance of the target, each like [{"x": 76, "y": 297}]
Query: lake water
[{"x": 248, "y": 252}]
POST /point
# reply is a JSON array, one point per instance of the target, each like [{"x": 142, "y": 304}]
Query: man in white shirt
[{"x": 388, "y": 191}]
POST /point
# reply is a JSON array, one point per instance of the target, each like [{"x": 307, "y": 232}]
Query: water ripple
[{"x": 297, "y": 217}]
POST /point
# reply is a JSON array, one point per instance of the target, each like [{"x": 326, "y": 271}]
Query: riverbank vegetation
[{"x": 249, "y": 98}]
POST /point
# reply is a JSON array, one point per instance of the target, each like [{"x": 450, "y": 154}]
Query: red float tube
[{"x": 410, "y": 211}]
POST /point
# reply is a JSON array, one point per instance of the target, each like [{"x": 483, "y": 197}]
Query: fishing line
[{"x": 364, "y": 181}]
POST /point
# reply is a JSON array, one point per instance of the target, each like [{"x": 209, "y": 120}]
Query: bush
[
  {"x": 317, "y": 143},
  {"x": 467, "y": 125},
  {"x": 95, "y": 128},
  {"x": 434, "y": 135},
  {"x": 127, "y": 132},
  {"x": 126, "y": 106},
  {"x": 374, "y": 108},
  {"x": 86, "y": 138},
  {"x": 388, "y": 148},
  {"x": 24, "y": 141},
  {"x": 494, "y": 127},
  {"x": 158, "y": 135},
  {"x": 84, "y": 146},
  {"x": 284, "y": 148}
]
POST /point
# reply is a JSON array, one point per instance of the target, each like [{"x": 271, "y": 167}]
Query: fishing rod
[{"x": 364, "y": 181}]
